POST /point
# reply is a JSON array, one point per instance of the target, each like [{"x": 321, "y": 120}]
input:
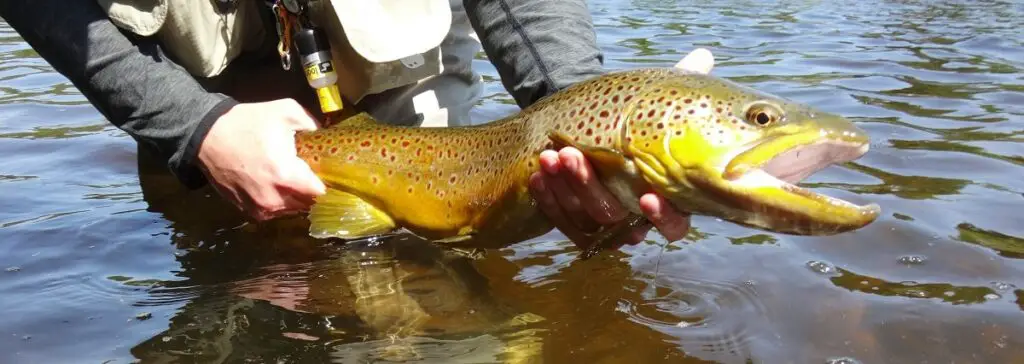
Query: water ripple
[{"x": 938, "y": 85}]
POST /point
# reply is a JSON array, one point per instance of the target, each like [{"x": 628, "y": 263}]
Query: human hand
[
  {"x": 569, "y": 193},
  {"x": 249, "y": 157}
]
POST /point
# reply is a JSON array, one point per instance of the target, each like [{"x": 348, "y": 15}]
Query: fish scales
[{"x": 468, "y": 185}]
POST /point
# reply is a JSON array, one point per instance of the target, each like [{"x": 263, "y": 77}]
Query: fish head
[{"x": 715, "y": 147}]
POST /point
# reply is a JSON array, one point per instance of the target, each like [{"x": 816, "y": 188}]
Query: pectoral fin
[{"x": 339, "y": 214}]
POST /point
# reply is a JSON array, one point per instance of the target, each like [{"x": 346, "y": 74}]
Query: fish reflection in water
[
  {"x": 396, "y": 299},
  {"x": 280, "y": 293}
]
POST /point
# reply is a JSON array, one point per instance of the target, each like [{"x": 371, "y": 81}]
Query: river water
[{"x": 104, "y": 258}]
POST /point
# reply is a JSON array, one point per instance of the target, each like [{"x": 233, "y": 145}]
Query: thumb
[
  {"x": 299, "y": 118},
  {"x": 700, "y": 60},
  {"x": 303, "y": 181}
]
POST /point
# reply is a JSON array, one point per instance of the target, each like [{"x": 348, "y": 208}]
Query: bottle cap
[
  {"x": 330, "y": 98},
  {"x": 311, "y": 40}
]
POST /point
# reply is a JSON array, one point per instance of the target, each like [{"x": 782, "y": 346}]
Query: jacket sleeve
[
  {"x": 537, "y": 46},
  {"x": 129, "y": 79}
]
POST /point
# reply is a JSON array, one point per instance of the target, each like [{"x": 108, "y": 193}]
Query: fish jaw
[{"x": 754, "y": 184}]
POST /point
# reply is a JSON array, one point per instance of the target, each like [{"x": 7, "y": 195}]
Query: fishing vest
[{"x": 376, "y": 45}]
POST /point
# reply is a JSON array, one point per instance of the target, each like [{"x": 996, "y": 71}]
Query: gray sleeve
[
  {"x": 128, "y": 79},
  {"x": 537, "y": 46}
]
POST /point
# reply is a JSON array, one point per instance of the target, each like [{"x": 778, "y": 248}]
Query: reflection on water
[{"x": 105, "y": 257}]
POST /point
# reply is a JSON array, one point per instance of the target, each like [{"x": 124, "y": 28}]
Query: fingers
[
  {"x": 299, "y": 118},
  {"x": 548, "y": 204},
  {"x": 598, "y": 202},
  {"x": 555, "y": 176},
  {"x": 672, "y": 224},
  {"x": 700, "y": 60},
  {"x": 568, "y": 191},
  {"x": 302, "y": 180}
]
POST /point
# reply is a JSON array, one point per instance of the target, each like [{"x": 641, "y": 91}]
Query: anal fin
[{"x": 339, "y": 214}]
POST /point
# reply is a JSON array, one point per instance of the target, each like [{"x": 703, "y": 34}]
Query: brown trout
[{"x": 708, "y": 145}]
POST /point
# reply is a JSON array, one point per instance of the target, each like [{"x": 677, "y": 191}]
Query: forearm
[
  {"x": 128, "y": 79},
  {"x": 537, "y": 46}
]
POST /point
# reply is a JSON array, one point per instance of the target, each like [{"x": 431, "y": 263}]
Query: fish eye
[{"x": 763, "y": 114}]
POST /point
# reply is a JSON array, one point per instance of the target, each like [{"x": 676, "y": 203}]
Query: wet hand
[
  {"x": 568, "y": 192},
  {"x": 249, "y": 157}
]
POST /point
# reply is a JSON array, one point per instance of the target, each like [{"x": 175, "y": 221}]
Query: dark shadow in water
[
  {"x": 945, "y": 292},
  {"x": 908, "y": 187},
  {"x": 1003, "y": 244}
]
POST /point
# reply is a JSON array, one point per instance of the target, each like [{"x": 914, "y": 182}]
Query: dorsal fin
[{"x": 360, "y": 119}]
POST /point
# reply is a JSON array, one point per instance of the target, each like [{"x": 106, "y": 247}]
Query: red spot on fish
[
  {"x": 691, "y": 111},
  {"x": 615, "y": 98},
  {"x": 318, "y": 136},
  {"x": 688, "y": 101},
  {"x": 590, "y": 131},
  {"x": 661, "y": 125},
  {"x": 365, "y": 143},
  {"x": 392, "y": 157},
  {"x": 579, "y": 126},
  {"x": 451, "y": 180},
  {"x": 334, "y": 150},
  {"x": 718, "y": 109},
  {"x": 627, "y": 98},
  {"x": 597, "y": 139},
  {"x": 650, "y": 114},
  {"x": 383, "y": 152},
  {"x": 405, "y": 144},
  {"x": 351, "y": 157}
]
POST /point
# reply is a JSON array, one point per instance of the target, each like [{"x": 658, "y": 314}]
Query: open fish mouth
[{"x": 785, "y": 207}]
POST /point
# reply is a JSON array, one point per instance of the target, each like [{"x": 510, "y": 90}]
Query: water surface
[{"x": 106, "y": 258}]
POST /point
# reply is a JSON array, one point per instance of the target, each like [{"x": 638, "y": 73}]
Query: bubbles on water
[
  {"x": 1003, "y": 286},
  {"x": 820, "y": 267},
  {"x": 912, "y": 259},
  {"x": 842, "y": 360}
]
